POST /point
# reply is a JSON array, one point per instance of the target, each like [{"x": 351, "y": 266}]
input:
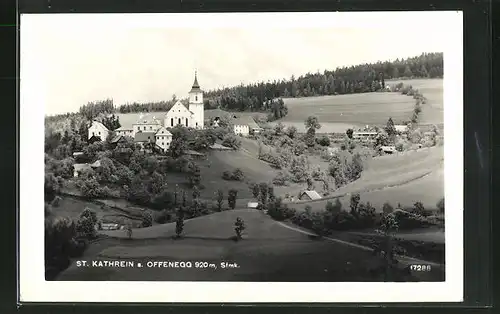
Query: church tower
[{"x": 196, "y": 104}]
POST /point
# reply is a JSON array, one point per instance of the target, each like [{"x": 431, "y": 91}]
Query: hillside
[
  {"x": 269, "y": 252},
  {"x": 403, "y": 178}
]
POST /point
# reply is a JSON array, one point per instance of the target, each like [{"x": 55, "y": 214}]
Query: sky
[{"x": 80, "y": 58}]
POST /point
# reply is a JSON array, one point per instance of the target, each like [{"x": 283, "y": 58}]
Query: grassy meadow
[{"x": 269, "y": 252}]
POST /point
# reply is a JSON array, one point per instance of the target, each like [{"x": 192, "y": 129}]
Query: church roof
[{"x": 196, "y": 86}]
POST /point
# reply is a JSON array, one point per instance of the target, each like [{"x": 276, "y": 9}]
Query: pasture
[
  {"x": 402, "y": 178},
  {"x": 268, "y": 252}
]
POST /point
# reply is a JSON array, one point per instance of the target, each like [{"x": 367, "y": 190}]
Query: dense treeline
[{"x": 346, "y": 80}]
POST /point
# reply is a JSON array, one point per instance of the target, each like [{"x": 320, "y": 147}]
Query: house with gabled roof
[
  {"x": 309, "y": 195},
  {"x": 163, "y": 138},
  {"x": 97, "y": 130},
  {"x": 245, "y": 125}
]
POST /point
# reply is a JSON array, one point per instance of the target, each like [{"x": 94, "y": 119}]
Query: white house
[
  {"x": 244, "y": 126},
  {"x": 401, "y": 128},
  {"x": 163, "y": 139},
  {"x": 364, "y": 136},
  {"x": 146, "y": 123},
  {"x": 98, "y": 129},
  {"x": 240, "y": 127},
  {"x": 191, "y": 116},
  {"x": 125, "y": 131}
]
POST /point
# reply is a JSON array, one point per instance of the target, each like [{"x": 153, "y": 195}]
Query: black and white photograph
[{"x": 241, "y": 157}]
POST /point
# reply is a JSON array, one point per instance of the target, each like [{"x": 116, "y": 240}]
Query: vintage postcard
[{"x": 241, "y": 157}]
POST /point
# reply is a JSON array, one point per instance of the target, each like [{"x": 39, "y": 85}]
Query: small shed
[
  {"x": 309, "y": 196},
  {"x": 388, "y": 149},
  {"x": 253, "y": 205},
  {"x": 218, "y": 146},
  {"x": 79, "y": 168},
  {"x": 194, "y": 154}
]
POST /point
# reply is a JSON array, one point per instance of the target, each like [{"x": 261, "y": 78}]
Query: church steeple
[{"x": 196, "y": 86}]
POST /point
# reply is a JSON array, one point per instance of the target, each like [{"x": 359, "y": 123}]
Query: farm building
[
  {"x": 388, "y": 149},
  {"x": 309, "y": 196},
  {"x": 218, "y": 146},
  {"x": 118, "y": 140},
  {"x": 332, "y": 150},
  {"x": 401, "y": 128},
  {"x": 163, "y": 139},
  {"x": 194, "y": 154},
  {"x": 125, "y": 131},
  {"x": 98, "y": 130},
  {"x": 253, "y": 204},
  {"x": 79, "y": 168},
  {"x": 144, "y": 138},
  {"x": 364, "y": 136},
  {"x": 245, "y": 125}
]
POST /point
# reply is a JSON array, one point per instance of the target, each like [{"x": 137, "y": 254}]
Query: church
[
  {"x": 191, "y": 116},
  {"x": 149, "y": 129}
]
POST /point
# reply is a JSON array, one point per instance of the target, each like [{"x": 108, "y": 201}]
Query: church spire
[{"x": 196, "y": 86}]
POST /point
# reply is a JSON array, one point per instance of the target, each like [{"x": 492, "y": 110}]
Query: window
[
  {"x": 196, "y": 123},
  {"x": 150, "y": 127},
  {"x": 172, "y": 122},
  {"x": 196, "y": 98},
  {"x": 187, "y": 122},
  {"x": 93, "y": 134},
  {"x": 99, "y": 132},
  {"x": 179, "y": 121},
  {"x": 138, "y": 128},
  {"x": 144, "y": 128}
]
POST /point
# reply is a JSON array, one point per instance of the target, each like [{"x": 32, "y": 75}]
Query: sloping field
[
  {"x": 339, "y": 112},
  {"x": 432, "y": 89},
  {"x": 406, "y": 178},
  {"x": 269, "y": 252}
]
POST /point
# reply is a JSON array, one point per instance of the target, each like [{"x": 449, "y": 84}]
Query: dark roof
[
  {"x": 118, "y": 138},
  {"x": 196, "y": 86},
  {"x": 143, "y": 136}
]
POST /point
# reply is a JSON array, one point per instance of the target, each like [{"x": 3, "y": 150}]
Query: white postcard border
[{"x": 34, "y": 288}]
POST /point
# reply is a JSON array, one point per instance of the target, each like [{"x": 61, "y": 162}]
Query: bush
[
  {"x": 440, "y": 205},
  {"x": 179, "y": 223},
  {"x": 147, "y": 219},
  {"x": 231, "y": 198},
  {"x": 334, "y": 208},
  {"x": 408, "y": 220},
  {"x": 60, "y": 245},
  {"x": 282, "y": 178},
  {"x": 86, "y": 224},
  {"x": 387, "y": 208},
  {"x": 239, "y": 226},
  {"x": 324, "y": 141},
  {"x": 226, "y": 175},
  {"x": 279, "y": 211}
]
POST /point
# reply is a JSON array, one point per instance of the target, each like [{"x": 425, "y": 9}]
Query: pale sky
[{"x": 142, "y": 58}]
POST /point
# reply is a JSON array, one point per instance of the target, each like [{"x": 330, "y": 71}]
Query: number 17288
[{"x": 418, "y": 267}]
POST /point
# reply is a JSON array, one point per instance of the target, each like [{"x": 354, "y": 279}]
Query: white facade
[
  {"x": 193, "y": 116},
  {"x": 146, "y": 124},
  {"x": 125, "y": 132},
  {"x": 163, "y": 138},
  {"x": 196, "y": 107},
  {"x": 241, "y": 129},
  {"x": 178, "y": 114},
  {"x": 99, "y": 130}
]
